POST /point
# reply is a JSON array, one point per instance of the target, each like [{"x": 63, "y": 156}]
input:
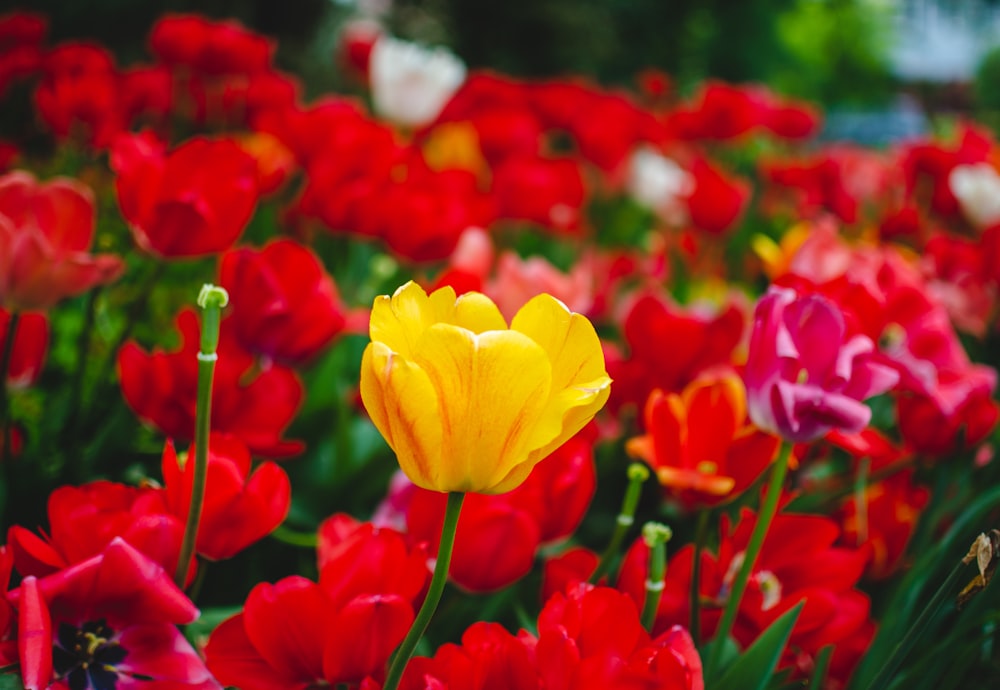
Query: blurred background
[{"x": 880, "y": 68}]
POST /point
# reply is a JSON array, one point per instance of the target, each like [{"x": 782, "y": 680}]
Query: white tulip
[
  {"x": 977, "y": 188},
  {"x": 410, "y": 84}
]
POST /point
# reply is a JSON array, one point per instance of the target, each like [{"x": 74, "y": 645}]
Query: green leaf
[
  {"x": 753, "y": 669},
  {"x": 11, "y": 681}
]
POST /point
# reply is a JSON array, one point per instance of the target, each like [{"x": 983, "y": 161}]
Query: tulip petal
[
  {"x": 568, "y": 339},
  {"x": 403, "y": 405},
  {"x": 494, "y": 388},
  {"x": 398, "y": 321}
]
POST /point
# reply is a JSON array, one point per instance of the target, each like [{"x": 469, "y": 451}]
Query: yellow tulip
[{"x": 467, "y": 403}]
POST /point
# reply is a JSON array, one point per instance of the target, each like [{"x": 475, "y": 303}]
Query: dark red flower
[
  {"x": 31, "y": 342},
  {"x": 212, "y": 48},
  {"x": 283, "y": 304},
  {"x": 240, "y": 507},
  {"x": 194, "y": 200},
  {"x": 78, "y": 96},
  {"x": 252, "y": 404}
]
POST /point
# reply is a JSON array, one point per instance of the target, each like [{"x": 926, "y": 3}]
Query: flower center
[
  {"x": 86, "y": 657},
  {"x": 770, "y": 589}
]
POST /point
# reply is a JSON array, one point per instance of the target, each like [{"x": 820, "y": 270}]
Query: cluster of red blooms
[{"x": 895, "y": 255}]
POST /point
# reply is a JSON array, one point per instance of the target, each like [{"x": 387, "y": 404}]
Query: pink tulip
[{"x": 805, "y": 375}]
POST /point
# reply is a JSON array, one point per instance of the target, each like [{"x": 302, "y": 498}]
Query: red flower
[
  {"x": 107, "y": 622},
  {"x": 84, "y": 520},
  {"x": 798, "y": 561},
  {"x": 670, "y": 347},
  {"x": 212, "y": 48},
  {"x": 489, "y": 658},
  {"x": 240, "y": 507},
  {"x": 285, "y": 306},
  {"x": 161, "y": 388},
  {"x": 591, "y": 638},
  {"x": 718, "y": 199},
  {"x": 46, "y": 230},
  {"x": 296, "y": 633},
  {"x": 192, "y": 201},
  {"x": 79, "y": 94},
  {"x": 31, "y": 340},
  {"x": 700, "y": 443},
  {"x": 498, "y": 535},
  {"x": 549, "y": 192}
]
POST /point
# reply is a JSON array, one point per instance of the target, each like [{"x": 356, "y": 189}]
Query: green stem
[
  {"x": 211, "y": 300},
  {"x": 861, "y": 500},
  {"x": 919, "y": 627},
  {"x": 764, "y": 517},
  {"x": 438, "y": 580},
  {"x": 819, "y": 670},
  {"x": 5, "y": 416},
  {"x": 287, "y": 535},
  {"x": 637, "y": 474},
  {"x": 656, "y": 537},
  {"x": 76, "y": 386},
  {"x": 700, "y": 535}
]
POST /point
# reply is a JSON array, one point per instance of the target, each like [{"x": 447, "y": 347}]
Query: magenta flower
[{"x": 805, "y": 375}]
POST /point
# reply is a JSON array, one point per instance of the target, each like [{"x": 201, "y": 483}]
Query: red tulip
[
  {"x": 161, "y": 388},
  {"x": 718, "y": 199},
  {"x": 240, "y": 507},
  {"x": 46, "y": 230},
  {"x": 31, "y": 341},
  {"x": 192, "y": 201},
  {"x": 208, "y": 47},
  {"x": 288, "y": 308}
]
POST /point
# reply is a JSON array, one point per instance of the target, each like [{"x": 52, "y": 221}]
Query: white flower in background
[
  {"x": 409, "y": 83},
  {"x": 977, "y": 188},
  {"x": 659, "y": 184}
]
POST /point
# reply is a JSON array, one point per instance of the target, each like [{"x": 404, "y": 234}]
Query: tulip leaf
[
  {"x": 753, "y": 669},
  {"x": 11, "y": 681}
]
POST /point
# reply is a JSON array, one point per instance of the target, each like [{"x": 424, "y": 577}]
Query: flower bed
[{"x": 680, "y": 397}]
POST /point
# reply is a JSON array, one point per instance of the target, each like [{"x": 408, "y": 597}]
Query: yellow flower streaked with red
[
  {"x": 699, "y": 442},
  {"x": 468, "y": 403}
]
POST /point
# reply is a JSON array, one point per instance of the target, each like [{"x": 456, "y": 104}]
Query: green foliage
[{"x": 753, "y": 668}]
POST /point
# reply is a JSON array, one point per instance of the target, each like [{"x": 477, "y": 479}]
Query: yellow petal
[
  {"x": 476, "y": 312},
  {"x": 569, "y": 411},
  {"x": 569, "y": 340},
  {"x": 404, "y": 407},
  {"x": 493, "y": 387},
  {"x": 398, "y": 321}
]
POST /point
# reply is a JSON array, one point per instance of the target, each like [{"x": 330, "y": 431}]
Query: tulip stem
[
  {"x": 764, "y": 517},
  {"x": 438, "y": 580},
  {"x": 637, "y": 474},
  {"x": 656, "y": 536},
  {"x": 861, "y": 499},
  {"x": 918, "y": 628},
  {"x": 211, "y": 300},
  {"x": 700, "y": 535},
  {"x": 5, "y": 416}
]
